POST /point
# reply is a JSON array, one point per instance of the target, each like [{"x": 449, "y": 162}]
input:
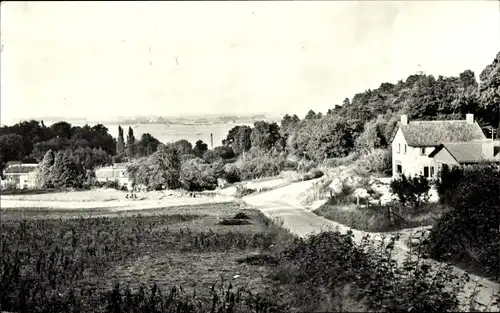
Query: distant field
[{"x": 168, "y": 133}]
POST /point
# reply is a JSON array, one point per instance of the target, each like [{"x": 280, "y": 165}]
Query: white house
[
  {"x": 116, "y": 172},
  {"x": 20, "y": 175},
  {"x": 422, "y": 147}
]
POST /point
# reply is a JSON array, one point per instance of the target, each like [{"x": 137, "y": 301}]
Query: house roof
[
  {"x": 434, "y": 133},
  {"x": 21, "y": 169},
  {"x": 466, "y": 152}
]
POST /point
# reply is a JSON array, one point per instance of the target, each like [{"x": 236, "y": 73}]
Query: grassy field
[
  {"x": 46, "y": 260},
  {"x": 376, "y": 218},
  {"x": 222, "y": 258}
]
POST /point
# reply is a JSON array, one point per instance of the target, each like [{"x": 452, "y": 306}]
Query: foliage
[
  {"x": 242, "y": 140},
  {"x": 61, "y": 265},
  {"x": 200, "y": 148},
  {"x": 313, "y": 174},
  {"x": 11, "y": 149},
  {"x": 37, "y": 139},
  {"x": 328, "y": 137},
  {"x": 242, "y": 191},
  {"x": 375, "y": 161},
  {"x": 258, "y": 164},
  {"x": 234, "y": 221},
  {"x": 381, "y": 218},
  {"x": 232, "y": 173},
  {"x": 326, "y": 269},
  {"x": 147, "y": 145},
  {"x": 183, "y": 147},
  {"x": 219, "y": 154},
  {"x": 198, "y": 175},
  {"x": 265, "y": 135},
  {"x": 161, "y": 170},
  {"x": 373, "y": 136},
  {"x": 131, "y": 144},
  {"x": 120, "y": 143},
  {"x": 413, "y": 191},
  {"x": 469, "y": 234}
]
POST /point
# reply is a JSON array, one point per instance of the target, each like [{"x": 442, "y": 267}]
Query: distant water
[{"x": 171, "y": 133}]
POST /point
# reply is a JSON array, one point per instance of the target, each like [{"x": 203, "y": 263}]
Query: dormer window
[{"x": 422, "y": 151}]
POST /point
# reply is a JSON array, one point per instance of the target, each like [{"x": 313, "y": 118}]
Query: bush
[
  {"x": 259, "y": 164},
  {"x": 326, "y": 269},
  {"x": 234, "y": 222},
  {"x": 375, "y": 218},
  {"x": 197, "y": 175},
  {"x": 375, "y": 161},
  {"x": 342, "y": 161},
  {"x": 469, "y": 235},
  {"x": 413, "y": 191},
  {"x": 242, "y": 191},
  {"x": 241, "y": 216},
  {"x": 113, "y": 184},
  {"x": 313, "y": 174},
  {"x": 231, "y": 173}
]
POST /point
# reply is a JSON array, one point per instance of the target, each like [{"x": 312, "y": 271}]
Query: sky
[{"x": 107, "y": 59}]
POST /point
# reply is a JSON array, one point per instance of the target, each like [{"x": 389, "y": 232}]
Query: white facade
[
  {"x": 23, "y": 178},
  {"x": 411, "y": 161},
  {"x": 111, "y": 173}
]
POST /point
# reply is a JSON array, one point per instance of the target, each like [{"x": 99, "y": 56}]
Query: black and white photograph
[{"x": 249, "y": 156}]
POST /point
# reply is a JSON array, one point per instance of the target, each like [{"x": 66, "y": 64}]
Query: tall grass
[{"x": 376, "y": 218}]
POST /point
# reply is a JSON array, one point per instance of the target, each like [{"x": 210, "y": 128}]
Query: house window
[
  {"x": 399, "y": 169},
  {"x": 405, "y": 148},
  {"x": 432, "y": 171},
  {"x": 422, "y": 151},
  {"x": 426, "y": 171},
  {"x": 399, "y": 148}
]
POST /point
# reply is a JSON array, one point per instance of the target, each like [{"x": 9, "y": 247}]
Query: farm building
[
  {"x": 20, "y": 175},
  {"x": 116, "y": 172},
  {"x": 423, "y": 147}
]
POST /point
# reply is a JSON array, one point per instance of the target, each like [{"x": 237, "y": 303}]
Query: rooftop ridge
[{"x": 438, "y": 121}]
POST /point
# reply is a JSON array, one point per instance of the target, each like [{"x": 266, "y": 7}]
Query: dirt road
[{"x": 284, "y": 203}]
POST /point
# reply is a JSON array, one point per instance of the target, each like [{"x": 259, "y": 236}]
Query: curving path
[{"x": 284, "y": 204}]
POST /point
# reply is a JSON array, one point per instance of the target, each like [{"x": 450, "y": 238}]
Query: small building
[
  {"x": 415, "y": 141},
  {"x": 20, "y": 175},
  {"x": 466, "y": 153},
  {"x": 116, "y": 172}
]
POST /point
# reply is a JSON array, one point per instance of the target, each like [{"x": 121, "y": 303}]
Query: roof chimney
[
  {"x": 469, "y": 117},
  {"x": 404, "y": 119},
  {"x": 488, "y": 148}
]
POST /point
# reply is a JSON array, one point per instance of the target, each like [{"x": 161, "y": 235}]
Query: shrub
[
  {"x": 241, "y": 216},
  {"x": 330, "y": 262},
  {"x": 383, "y": 218},
  {"x": 258, "y": 164},
  {"x": 242, "y": 191},
  {"x": 197, "y": 175},
  {"x": 413, "y": 191},
  {"x": 342, "y": 161},
  {"x": 234, "y": 222},
  {"x": 113, "y": 184},
  {"x": 375, "y": 161},
  {"x": 313, "y": 174},
  {"x": 469, "y": 234},
  {"x": 231, "y": 173}
]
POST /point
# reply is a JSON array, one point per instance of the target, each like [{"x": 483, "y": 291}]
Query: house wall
[
  {"x": 111, "y": 174},
  {"x": 443, "y": 157},
  {"x": 411, "y": 160},
  {"x": 21, "y": 181}
]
